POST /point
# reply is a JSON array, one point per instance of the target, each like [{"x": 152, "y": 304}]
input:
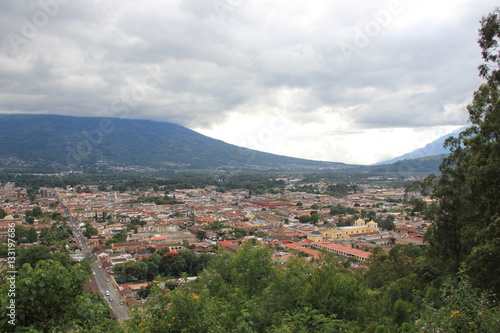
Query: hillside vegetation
[{"x": 63, "y": 143}]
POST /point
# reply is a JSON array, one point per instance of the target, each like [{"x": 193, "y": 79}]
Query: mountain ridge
[
  {"x": 433, "y": 148},
  {"x": 83, "y": 143}
]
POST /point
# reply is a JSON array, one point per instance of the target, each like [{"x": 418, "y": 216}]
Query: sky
[{"x": 333, "y": 80}]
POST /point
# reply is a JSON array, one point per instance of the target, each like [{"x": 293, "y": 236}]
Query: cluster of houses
[{"x": 206, "y": 218}]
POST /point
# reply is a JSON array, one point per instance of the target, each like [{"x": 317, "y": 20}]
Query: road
[
  {"x": 6, "y": 191},
  {"x": 102, "y": 278}
]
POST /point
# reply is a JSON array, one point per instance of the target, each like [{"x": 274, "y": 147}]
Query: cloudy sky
[{"x": 334, "y": 80}]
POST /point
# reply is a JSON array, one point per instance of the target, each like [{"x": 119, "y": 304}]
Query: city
[{"x": 118, "y": 227}]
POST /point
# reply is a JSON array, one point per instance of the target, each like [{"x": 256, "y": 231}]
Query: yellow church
[{"x": 330, "y": 231}]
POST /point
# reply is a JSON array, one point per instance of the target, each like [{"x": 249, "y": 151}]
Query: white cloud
[{"x": 355, "y": 81}]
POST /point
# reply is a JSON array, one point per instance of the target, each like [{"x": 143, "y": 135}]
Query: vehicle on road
[
  {"x": 111, "y": 299},
  {"x": 107, "y": 293}
]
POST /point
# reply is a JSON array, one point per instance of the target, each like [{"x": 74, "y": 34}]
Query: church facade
[{"x": 330, "y": 232}]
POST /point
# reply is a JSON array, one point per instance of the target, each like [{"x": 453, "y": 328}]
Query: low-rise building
[{"x": 331, "y": 232}]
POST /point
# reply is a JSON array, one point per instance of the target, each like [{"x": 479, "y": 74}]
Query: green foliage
[
  {"x": 255, "y": 183},
  {"x": 201, "y": 234},
  {"x": 176, "y": 264},
  {"x": 305, "y": 219},
  {"x": 334, "y": 291},
  {"x": 310, "y": 320},
  {"x": 49, "y": 296},
  {"x": 315, "y": 217},
  {"x": 120, "y": 236},
  {"x": 164, "y": 200},
  {"x": 57, "y": 234},
  {"x": 53, "y": 205},
  {"x": 464, "y": 309},
  {"x": 32, "y": 235},
  {"x": 171, "y": 264},
  {"x": 341, "y": 189},
  {"x": 386, "y": 223},
  {"x": 131, "y": 271},
  {"x": 21, "y": 234},
  {"x": 466, "y": 226},
  {"x": 32, "y": 254},
  {"x": 248, "y": 292},
  {"x": 401, "y": 262},
  {"x": 341, "y": 210},
  {"x": 186, "y": 311},
  {"x": 90, "y": 231},
  {"x": 215, "y": 225}
]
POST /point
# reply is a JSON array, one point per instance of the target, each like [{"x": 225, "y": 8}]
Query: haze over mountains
[
  {"x": 436, "y": 147},
  {"x": 75, "y": 143},
  {"x": 65, "y": 143}
]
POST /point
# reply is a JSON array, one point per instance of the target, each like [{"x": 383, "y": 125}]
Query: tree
[
  {"x": 2, "y": 213},
  {"x": 37, "y": 212},
  {"x": 131, "y": 271},
  {"x": 315, "y": 217},
  {"x": 462, "y": 308},
  {"x": 175, "y": 264},
  {"x": 201, "y": 234},
  {"x": 49, "y": 298},
  {"x": 21, "y": 233},
  {"x": 32, "y": 235},
  {"x": 33, "y": 254},
  {"x": 215, "y": 225},
  {"x": 305, "y": 218},
  {"x": 466, "y": 226},
  {"x": 387, "y": 223},
  {"x": 90, "y": 231},
  {"x": 121, "y": 236}
]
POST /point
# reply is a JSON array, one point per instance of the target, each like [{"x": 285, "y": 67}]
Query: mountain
[
  {"x": 65, "y": 143},
  {"x": 415, "y": 167},
  {"x": 431, "y": 149}
]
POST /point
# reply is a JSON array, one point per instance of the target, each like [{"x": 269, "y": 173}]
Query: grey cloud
[{"x": 91, "y": 53}]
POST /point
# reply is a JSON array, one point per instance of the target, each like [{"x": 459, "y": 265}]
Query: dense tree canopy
[
  {"x": 49, "y": 299},
  {"x": 466, "y": 228}
]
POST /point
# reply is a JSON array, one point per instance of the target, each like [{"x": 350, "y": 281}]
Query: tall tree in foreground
[
  {"x": 466, "y": 228},
  {"x": 48, "y": 298}
]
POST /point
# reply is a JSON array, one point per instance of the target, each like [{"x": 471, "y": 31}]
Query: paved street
[
  {"x": 102, "y": 278},
  {"x": 121, "y": 310}
]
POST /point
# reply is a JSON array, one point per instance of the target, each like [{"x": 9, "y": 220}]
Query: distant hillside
[
  {"x": 102, "y": 144},
  {"x": 431, "y": 149},
  {"x": 415, "y": 167}
]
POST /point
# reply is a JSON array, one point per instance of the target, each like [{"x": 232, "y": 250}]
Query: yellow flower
[
  {"x": 455, "y": 313},
  {"x": 173, "y": 318},
  {"x": 196, "y": 297},
  {"x": 479, "y": 313}
]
